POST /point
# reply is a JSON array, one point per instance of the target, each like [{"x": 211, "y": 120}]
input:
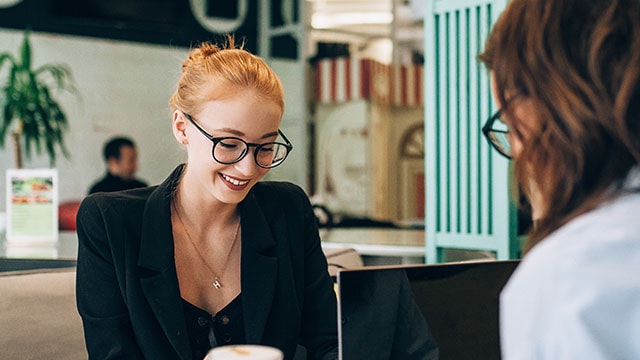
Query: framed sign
[{"x": 32, "y": 205}]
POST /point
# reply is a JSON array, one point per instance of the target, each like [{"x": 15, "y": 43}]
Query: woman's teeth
[{"x": 234, "y": 181}]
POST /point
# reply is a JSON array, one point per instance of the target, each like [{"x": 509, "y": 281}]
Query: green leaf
[
  {"x": 25, "y": 51},
  {"x": 27, "y": 99}
]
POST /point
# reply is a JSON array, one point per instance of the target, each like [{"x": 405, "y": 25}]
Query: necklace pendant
[{"x": 216, "y": 284}]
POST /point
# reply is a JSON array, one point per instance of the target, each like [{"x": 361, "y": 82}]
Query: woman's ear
[{"x": 179, "y": 127}]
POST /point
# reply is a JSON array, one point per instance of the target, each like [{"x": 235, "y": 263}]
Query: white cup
[{"x": 244, "y": 352}]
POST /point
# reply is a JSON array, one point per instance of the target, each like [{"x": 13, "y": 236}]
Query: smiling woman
[{"x": 212, "y": 256}]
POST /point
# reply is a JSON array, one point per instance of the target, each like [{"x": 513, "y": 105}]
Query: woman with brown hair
[
  {"x": 212, "y": 256},
  {"x": 566, "y": 77}
]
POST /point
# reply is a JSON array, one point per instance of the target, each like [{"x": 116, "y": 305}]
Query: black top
[
  {"x": 127, "y": 287},
  {"x": 206, "y": 331},
  {"x": 115, "y": 183}
]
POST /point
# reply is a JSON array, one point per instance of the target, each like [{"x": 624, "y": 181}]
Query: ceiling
[{"x": 363, "y": 22}]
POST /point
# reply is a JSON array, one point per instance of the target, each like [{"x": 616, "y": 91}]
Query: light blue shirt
[{"x": 576, "y": 295}]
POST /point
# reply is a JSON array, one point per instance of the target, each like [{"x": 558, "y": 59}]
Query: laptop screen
[{"x": 442, "y": 311}]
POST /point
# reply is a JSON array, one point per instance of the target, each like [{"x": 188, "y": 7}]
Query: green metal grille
[{"x": 467, "y": 183}]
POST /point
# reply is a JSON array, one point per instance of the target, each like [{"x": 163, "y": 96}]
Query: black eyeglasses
[
  {"x": 497, "y": 133},
  {"x": 230, "y": 150}
]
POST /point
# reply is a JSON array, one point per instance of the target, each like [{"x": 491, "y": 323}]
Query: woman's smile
[{"x": 234, "y": 183}]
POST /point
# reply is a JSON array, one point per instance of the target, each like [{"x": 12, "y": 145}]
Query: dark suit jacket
[
  {"x": 115, "y": 183},
  {"x": 127, "y": 287}
]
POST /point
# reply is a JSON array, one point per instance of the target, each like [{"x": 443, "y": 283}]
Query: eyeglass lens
[
  {"x": 497, "y": 132},
  {"x": 500, "y": 141},
  {"x": 231, "y": 150}
]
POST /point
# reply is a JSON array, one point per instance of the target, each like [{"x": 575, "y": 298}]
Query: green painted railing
[{"x": 467, "y": 183}]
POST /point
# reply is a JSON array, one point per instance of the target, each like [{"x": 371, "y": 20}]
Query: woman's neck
[{"x": 203, "y": 212}]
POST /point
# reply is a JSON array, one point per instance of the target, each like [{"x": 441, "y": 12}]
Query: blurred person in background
[{"x": 121, "y": 157}]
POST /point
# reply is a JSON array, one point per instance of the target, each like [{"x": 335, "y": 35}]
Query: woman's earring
[{"x": 185, "y": 141}]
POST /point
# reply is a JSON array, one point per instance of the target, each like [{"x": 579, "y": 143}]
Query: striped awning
[{"x": 346, "y": 79}]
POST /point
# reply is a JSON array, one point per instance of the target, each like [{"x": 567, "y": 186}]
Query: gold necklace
[{"x": 216, "y": 280}]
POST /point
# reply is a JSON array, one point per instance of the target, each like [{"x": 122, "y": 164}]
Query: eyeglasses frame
[
  {"x": 215, "y": 140},
  {"x": 487, "y": 129}
]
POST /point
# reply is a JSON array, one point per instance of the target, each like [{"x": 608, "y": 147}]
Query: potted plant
[{"x": 30, "y": 114}]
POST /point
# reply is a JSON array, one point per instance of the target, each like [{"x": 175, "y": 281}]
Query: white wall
[{"x": 123, "y": 89}]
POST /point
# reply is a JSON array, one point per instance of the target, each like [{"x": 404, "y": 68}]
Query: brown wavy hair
[
  {"x": 213, "y": 72},
  {"x": 578, "y": 62}
]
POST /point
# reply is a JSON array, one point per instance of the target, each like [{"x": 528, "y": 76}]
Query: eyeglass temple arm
[{"x": 284, "y": 137}]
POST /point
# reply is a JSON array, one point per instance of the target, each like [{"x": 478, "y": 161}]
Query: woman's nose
[{"x": 248, "y": 165}]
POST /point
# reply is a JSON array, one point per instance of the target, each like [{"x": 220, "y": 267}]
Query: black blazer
[{"x": 127, "y": 287}]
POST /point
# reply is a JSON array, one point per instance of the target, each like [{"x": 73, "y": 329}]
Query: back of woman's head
[
  {"x": 578, "y": 62},
  {"x": 213, "y": 72}
]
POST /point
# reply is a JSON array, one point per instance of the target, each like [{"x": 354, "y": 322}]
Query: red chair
[{"x": 67, "y": 215}]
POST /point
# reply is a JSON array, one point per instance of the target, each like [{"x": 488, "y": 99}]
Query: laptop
[{"x": 406, "y": 312}]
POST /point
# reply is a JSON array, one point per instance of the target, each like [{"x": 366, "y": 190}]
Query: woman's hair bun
[{"x": 206, "y": 49}]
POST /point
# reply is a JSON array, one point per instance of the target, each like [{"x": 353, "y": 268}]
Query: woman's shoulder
[
  {"x": 596, "y": 249},
  {"x": 579, "y": 280},
  {"x": 115, "y": 197},
  {"x": 116, "y": 202},
  {"x": 595, "y": 234}
]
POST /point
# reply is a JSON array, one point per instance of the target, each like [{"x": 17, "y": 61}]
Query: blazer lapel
[
  {"x": 157, "y": 270},
  {"x": 159, "y": 280},
  {"x": 258, "y": 269}
]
